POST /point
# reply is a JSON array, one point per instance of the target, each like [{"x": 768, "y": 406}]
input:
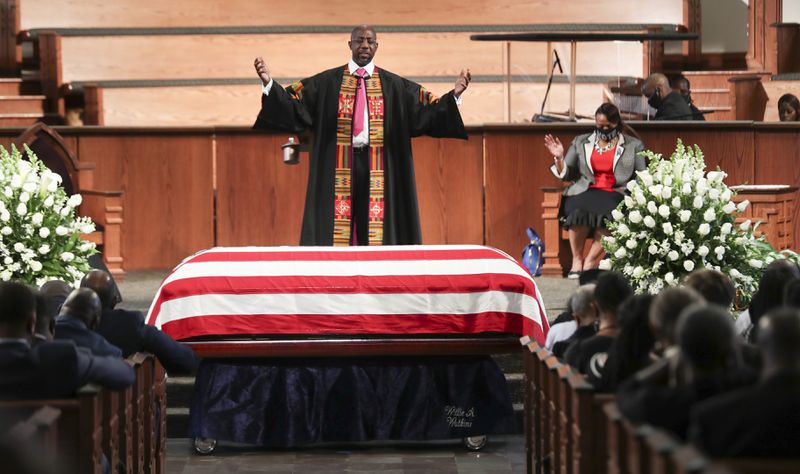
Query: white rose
[
  {"x": 657, "y": 190},
  {"x": 621, "y": 252},
  {"x": 685, "y": 215},
  {"x": 756, "y": 263},
  {"x": 24, "y": 197},
  {"x": 6, "y": 230},
  {"x": 617, "y": 215},
  {"x": 668, "y": 180},
  {"x": 67, "y": 256},
  {"x": 66, "y": 211},
  {"x": 669, "y": 278},
  {"x": 698, "y": 202},
  {"x": 667, "y": 228},
  {"x": 16, "y": 182},
  {"x": 649, "y": 222},
  {"x": 8, "y": 192},
  {"x": 49, "y": 200},
  {"x": 44, "y": 232},
  {"x": 640, "y": 199},
  {"x": 726, "y": 195},
  {"x": 701, "y": 187},
  {"x": 37, "y": 218},
  {"x": 605, "y": 264},
  {"x": 86, "y": 246},
  {"x": 19, "y": 247},
  {"x": 75, "y": 200},
  {"x": 629, "y": 203},
  {"x": 638, "y": 272},
  {"x": 720, "y": 251},
  {"x": 22, "y": 209},
  {"x": 35, "y": 265},
  {"x": 713, "y": 194},
  {"x": 729, "y": 208},
  {"x": 622, "y": 229},
  {"x": 676, "y": 202},
  {"x": 5, "y": 216},
  {"x": 646, "y": 178},
  {"x": 663, "y": 210},
  {"x": 686, "y": 188},
  {"x": 673, "y": 255},
  {"x": 61, "y": 230},
  {"x": 743, "y": 205},
  {"x": 704, "y": 229},
  {"x": 29, "y": 187},
  {"x": 87, "y": 228},
  {"x": 726, "y": 228},
  {"x": 631, "y": 244},
  {"x": 709, "y": 215},
  {"x": 652, "y": 208},
  {"x": 735, "y": 273},
  {"x": 744, "y": 226},
  {"x": 716, "y": 176},
  {"x": 44, "y": 249},
  {"x": 8, "y": 260},
  {"x": 635, "y": 217},
  {"x": 688, "y": 265},
  {"x": 53, "y": 185},
  {"x": 653, "y": 249},
  {"x": 666, "y": 193},
  {"x": 631, "y": 185}
]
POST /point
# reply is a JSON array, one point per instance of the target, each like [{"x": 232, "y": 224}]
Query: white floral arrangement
[
  {"x": 679, "y": 218},
  {"x": 40, "y": 235}
]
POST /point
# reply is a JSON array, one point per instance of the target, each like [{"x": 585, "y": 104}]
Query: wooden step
[
  {"x": 198, "y": 13},
  {"x": 10, "y": 86},
  {"x": 23, "y": 104},
  {"x": 19, "y": 120},
  {"x": 91, "y": 58}
]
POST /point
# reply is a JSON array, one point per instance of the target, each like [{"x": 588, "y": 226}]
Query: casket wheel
[
  {"x": 475, "y": 443},
  {"x": 205, "y": 445}
]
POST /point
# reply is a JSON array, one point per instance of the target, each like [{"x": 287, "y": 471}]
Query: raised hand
[
  {"x": 262, "y": 70},
  {"x": 554, "y": 146},
  {"x": 462, "y": 82}
]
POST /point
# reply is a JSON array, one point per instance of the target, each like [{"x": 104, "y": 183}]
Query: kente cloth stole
[{"x": 344, "y": 157}]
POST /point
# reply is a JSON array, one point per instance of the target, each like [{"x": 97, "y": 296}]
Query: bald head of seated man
[
  {"x": 669, "y": 104},
  {"x": 77, "y": 320},
  {"x": 128, "y": 331}
]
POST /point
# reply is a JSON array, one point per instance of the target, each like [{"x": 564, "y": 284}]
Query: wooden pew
[
  {"x": 110, "y": 402},
  {"x": 565, "y": 419},
  {"x": 138, "y": 417},
  {"x": 552, "y": 400},
  {"x": 544, "y": 425},
  {"x": 589, "y": 427},
  {"x": 531, "y": 414},
  {"x": 40, "y": 430},
  {"x": 80, "y": 430},
  {"x": 617, "y": 447}
]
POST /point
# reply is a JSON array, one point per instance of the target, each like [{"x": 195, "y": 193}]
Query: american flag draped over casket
[{"x": 393, "y": 290}]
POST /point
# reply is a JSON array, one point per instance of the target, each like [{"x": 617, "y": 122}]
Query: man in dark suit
[
  {"x": 79, "y": 315},
  {"x": 682, "y": 85},
  {"x": 127, "y": 330},
  {"x": 669, "y": 105},
  {"x": 763, "y": 420},
  {"x": 49, "y": 299},
  {"x": 51, "y": 369}
]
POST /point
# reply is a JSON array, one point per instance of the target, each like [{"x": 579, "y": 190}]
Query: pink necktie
[{"x": 361, "y": 102}]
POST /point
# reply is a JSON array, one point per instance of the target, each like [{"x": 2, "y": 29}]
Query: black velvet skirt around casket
[{"x": 294, "y": 402}]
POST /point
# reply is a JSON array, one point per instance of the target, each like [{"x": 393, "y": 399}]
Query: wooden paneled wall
[
  {"x": 484, "y": 190},
  {"x": 199, "y": 13}
]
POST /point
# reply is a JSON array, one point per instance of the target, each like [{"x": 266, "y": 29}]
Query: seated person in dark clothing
[
  {"x": 791, "y": 294},
  {"x": 669, "y": 105},
  {"x": 584, "y": 310},
  {"x": 763, "y": 420},
  {"x": 51, "y": 369},
  {"x": 664, "y": 313},
  {"x": 711, "y": 366},
  {"x": 127, "y": 330},
  {"x": 630, "y": 351},
  {"x": 683, "y": 87},
  {"x": 79, "y": 315},
  {"x": 49, "y": 299},
  {"x": 589, "y": 355}
]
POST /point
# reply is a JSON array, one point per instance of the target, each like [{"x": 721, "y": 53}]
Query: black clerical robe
[{"x": 407, "y": 114}]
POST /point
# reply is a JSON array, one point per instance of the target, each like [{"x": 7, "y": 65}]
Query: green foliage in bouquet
[
  {"x": 40, "y": 235},
  {"x": 679, "y": 218}
]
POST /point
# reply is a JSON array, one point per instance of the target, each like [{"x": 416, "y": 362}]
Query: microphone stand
[{"x": 541, "y": 117}]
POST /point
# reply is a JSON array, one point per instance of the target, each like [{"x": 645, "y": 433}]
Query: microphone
[{"x": 558, "y": 61}]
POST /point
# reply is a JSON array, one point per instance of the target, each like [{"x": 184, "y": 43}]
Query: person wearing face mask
[
  {"x": 682, "y": 86},
  {"x": 789, "y": 108},
  {"x": 669, "y": 104},
  {"x": 599, "y": 165}
]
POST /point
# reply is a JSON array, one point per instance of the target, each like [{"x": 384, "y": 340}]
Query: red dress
[{"x": 603, "y": 166}]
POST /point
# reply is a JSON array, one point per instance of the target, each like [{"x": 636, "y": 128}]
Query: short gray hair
[{"x": 582, "y": 298}]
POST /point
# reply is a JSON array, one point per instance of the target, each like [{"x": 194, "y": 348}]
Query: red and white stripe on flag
[{"x": 420, "y": 289}]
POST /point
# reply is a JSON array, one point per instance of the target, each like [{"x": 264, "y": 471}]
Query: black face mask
[
  {"x": 607, "y": 135},
  {"x": 655, "y": 100}
]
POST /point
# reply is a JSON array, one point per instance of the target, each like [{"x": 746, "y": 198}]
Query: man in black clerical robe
[{"x": 361, "y": 185}]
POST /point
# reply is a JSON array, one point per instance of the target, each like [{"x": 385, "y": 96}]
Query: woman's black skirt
[{"x": 590, "y": 208}]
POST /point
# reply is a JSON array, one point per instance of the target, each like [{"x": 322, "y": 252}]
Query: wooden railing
[{"x": 127, "y": 426}]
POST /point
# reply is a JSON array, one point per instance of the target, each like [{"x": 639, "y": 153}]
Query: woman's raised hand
[{"x": 554, "y": 146}]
